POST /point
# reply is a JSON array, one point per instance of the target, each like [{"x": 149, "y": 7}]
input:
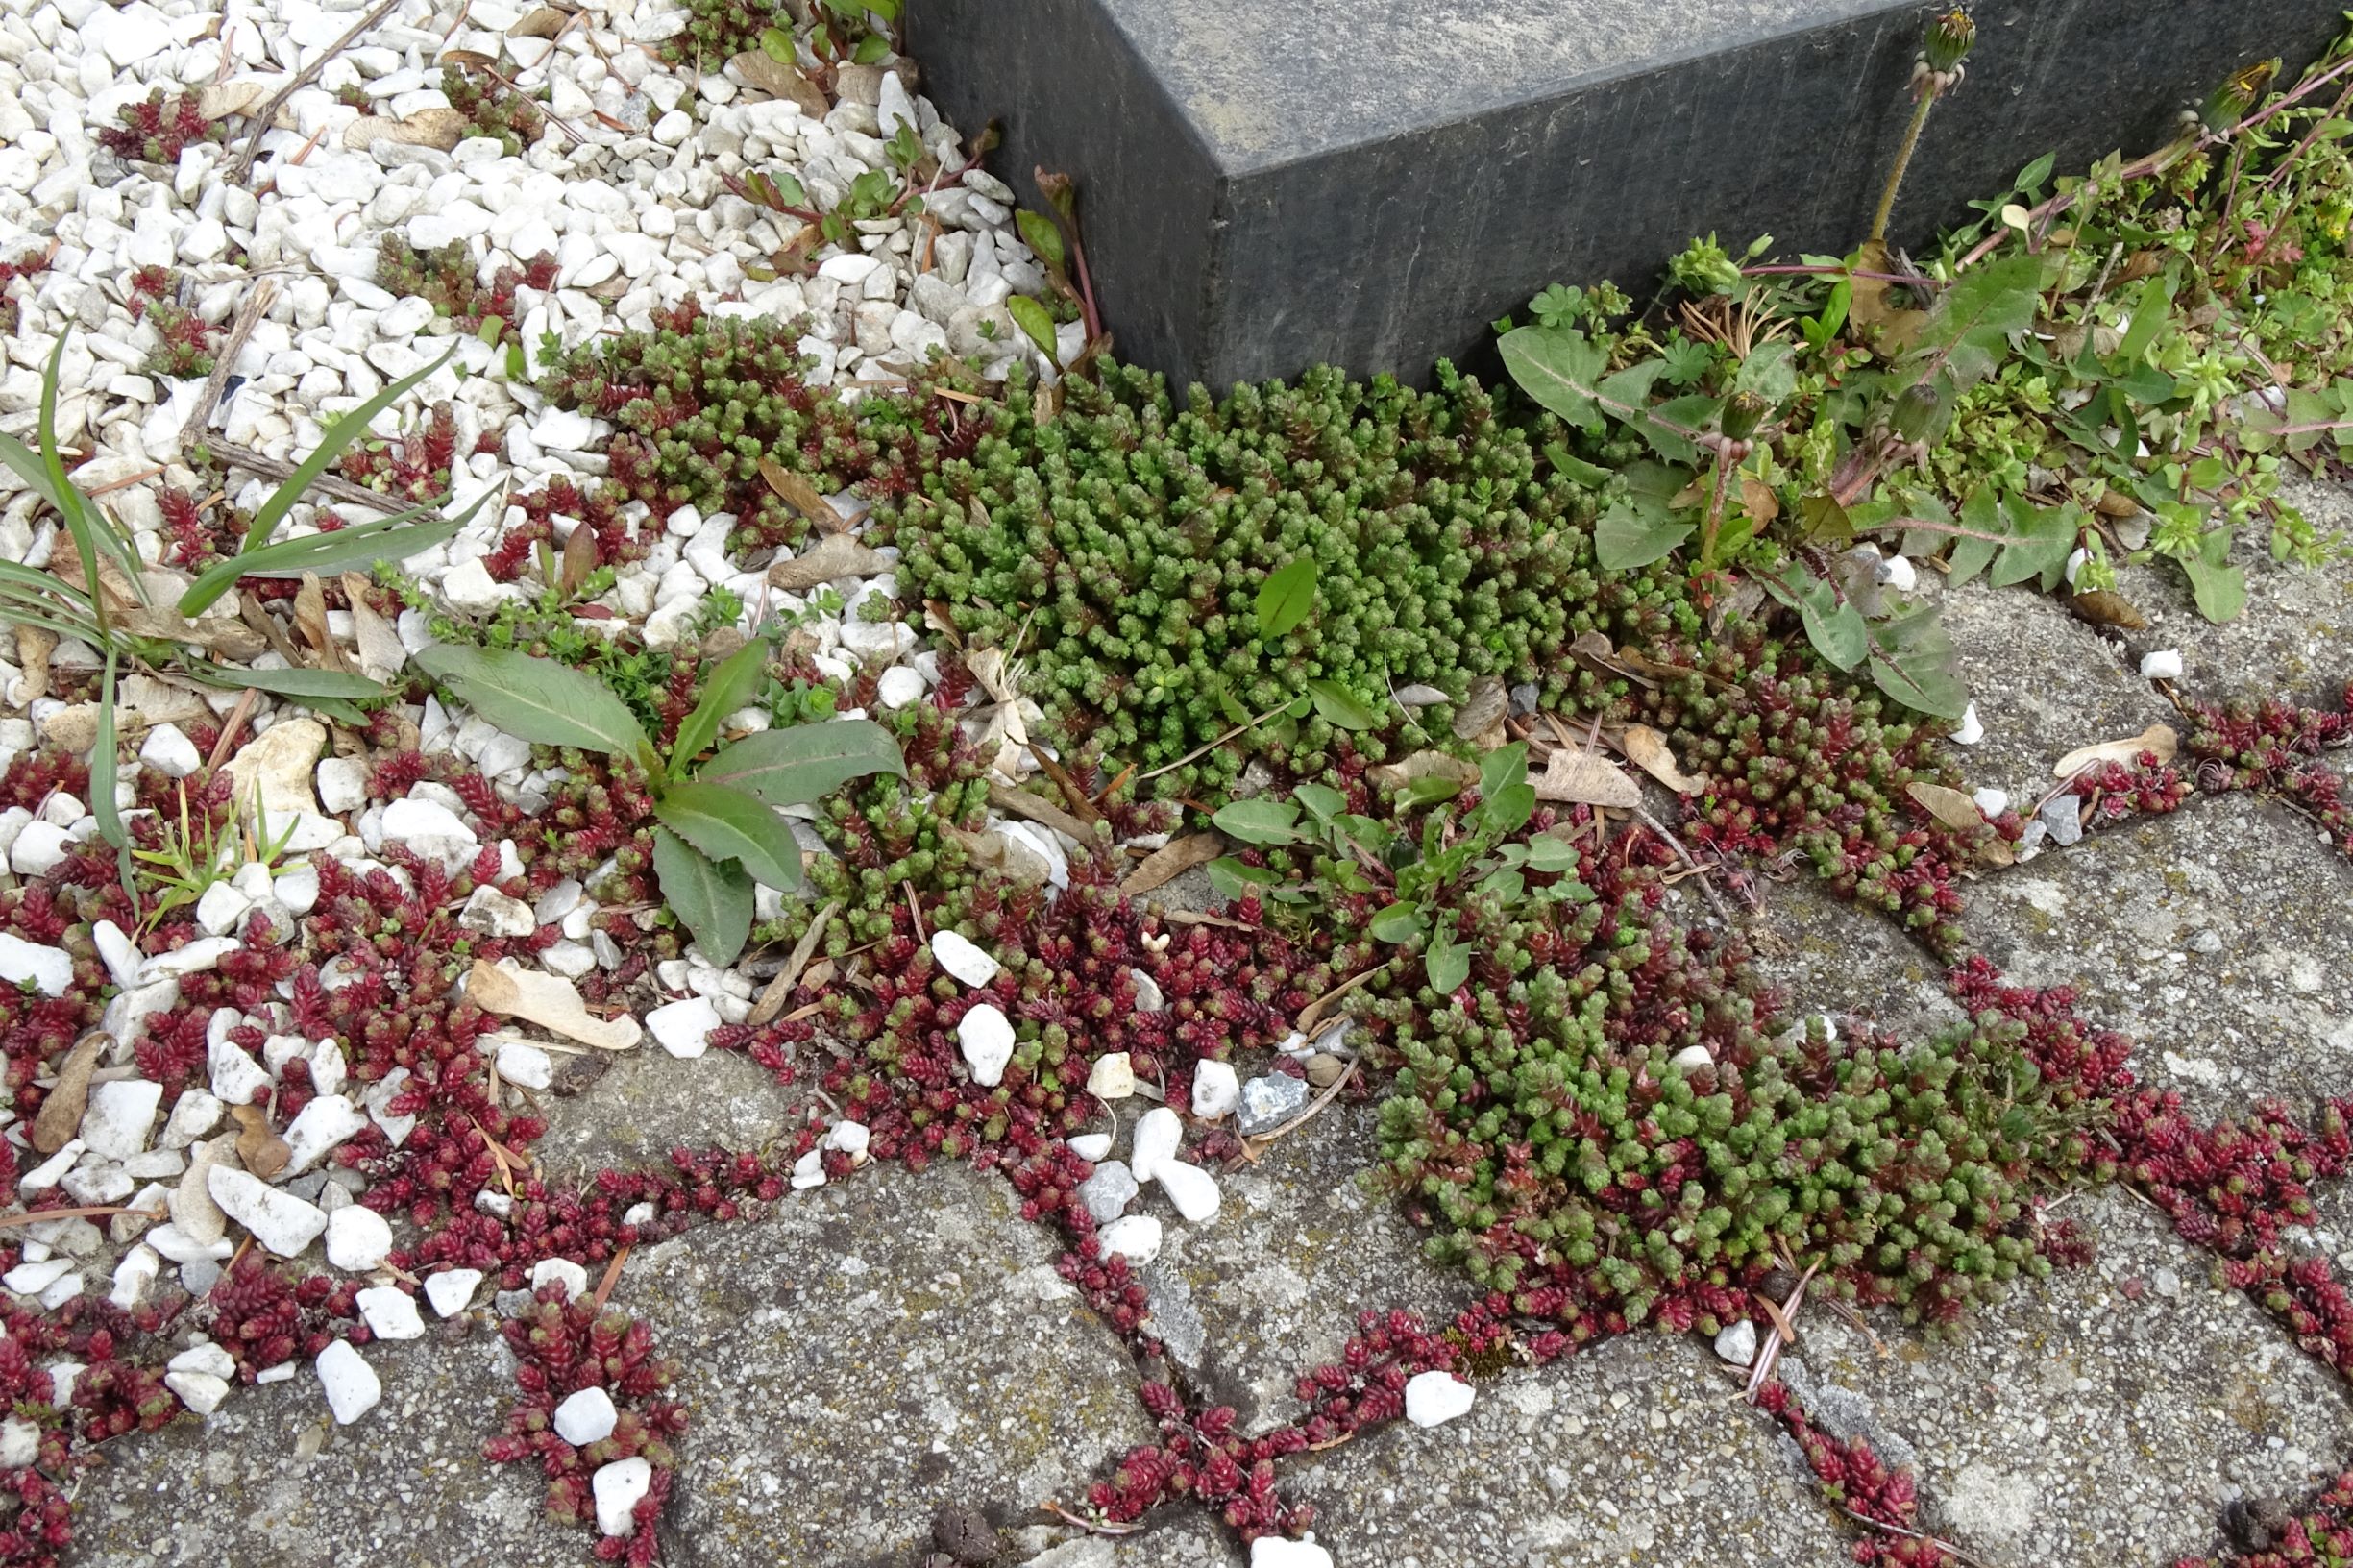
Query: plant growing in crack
[{"x": 719, "y": 831}]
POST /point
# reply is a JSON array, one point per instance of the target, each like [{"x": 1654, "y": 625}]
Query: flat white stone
[
  {"x": 350, "y": 1384},
  {"x": 236, "y": 1077},
  {"x": 962, "y": 958},
  {"x": 118, "y": 1117},
  {"x": 586, "y": 1416},
  {"x": 1193, "y": 1190},
  {"x": 357, "y": 1238},
  {"x": 1092, "y": 1147},
  {"x": 208, "y": 1357},
  {"x": 451, "y": 1291},
  {"x": 899, "y": 686},
  {"x": 524, "y": 1064},
  {"x": 1218, "y": 1089},
  {"x": 1158, "y": 1135},
  {"x": 1113, "y": 1077},
  {"x": 572, "y": 1276},
  {"x": 134, "y": 1276},
  {"x": 1275, "y": 1552},
  {"x": 390, "y": 1312},
  {"x": 20, "y": 1442},
  {"x": 318, "y": 1127},
  {"x": 196, "y": 1113},
  {"x": 49, "y": 969},
  {"x": 1434, "y": 1398},
  {"x": 620, "y": 1486},
  {"x": 684, "y": 1028},
  {"x": 985, "y": 1035},
  {"x": 2165, "y": 663},
  {"x": 1136, "y": 1238},
  {"x": 200, "y": 1391},
  {"x": 282, "y": 1222},
  {"x": 1737, "y": 1343}
]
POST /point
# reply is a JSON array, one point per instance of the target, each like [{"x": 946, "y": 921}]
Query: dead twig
[
  {"x": 612, "y": 1277},
  {"x": 249, "y": 315},
  {"x": 1715, "y": 899},
  {"x": 1037, "y": 809},
  {"x": 780, "y": 990},
  {"x": 273, "y": 468},
  {"x": 269, "y": 111},
  {"x": 1312, "y": 1015},
  {"x": 915, "y": 911},
  {"x": 89, "y": 1211},
  {"x": 1958, "y": 1555}
]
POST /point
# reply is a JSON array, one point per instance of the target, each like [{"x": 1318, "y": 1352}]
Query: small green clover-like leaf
[
  {"x": 1447, "y": 963},
  {"x": 1039, "y": 234},
  {"x": 2219, "y": 587},
  {"x": 1399, "y": 922},
  {"x": 1627, "y": 538}
]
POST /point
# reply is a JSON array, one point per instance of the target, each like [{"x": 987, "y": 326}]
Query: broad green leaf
[
  {"x": 1972, "y": 322},
  {"x": 1340, "y": 707},
  {"x": 536, "y": 700},
  {"x": 1770, "y": 371},
  {"x": 1037, "y": 323},
  {"x": 1507, "y": 887},
  {"x": 807, "y": 762},
  {"x": 1507, "y": 809},
  {"x": 296, "y": 683},
  {"x": 391, "y": 538},
  {"x": 1447, "y": 963},
  {"x": 2042, "y": 538},
  {"x": 732, "y": 685},
  {"x": 2219, "y": 587},
  {"x": 1626, "y": 540},
  {"x": 1551, "y": 855},
  {"x": 1287, "y": 597},
  {"x": 1502, "y": 767},
  {"x": 1260, "y": 821},
  {"x": 1836, "y": 628},
  {"x": 1427, "y": 791},
  {"x": 729, "y": 825},
  {"x": 1913, "y": 660},
  {"x": 1323, "y": 801},
  {"x": 332, "y": 440},
  {"x": 1559, "y": 367},
  {"x": 1981, "y": 514},
  {"x": 1039, "y": 234},
  {"x": 1593, "y": 475},
  {"x": 2150, "y": 314},
  {"x": 713, "y": 902},
  {"x": 1399, "y": 922},
  {"x": 777, "y": 44}
]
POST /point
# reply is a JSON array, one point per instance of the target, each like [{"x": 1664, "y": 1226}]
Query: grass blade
[
  {"x": 332, "y": 440},
  {"x": 386, "y": 539}
]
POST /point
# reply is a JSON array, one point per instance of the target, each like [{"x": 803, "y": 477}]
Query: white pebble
[
  {"x": 524, "y": 1064},
  {"x": 1434, "y": 1398},
  {"x": 571, "y": 1275},
  {"x": 350, "y": 1384},
  {"x": 684, "y": 1028},
  {"x": 1113, "y": 1077},
  {"x": 282, "y": 1222},
  {"x": 986, "y": 1037},
  {"x": 1737, "y": 1344},
  {"x": 1991, "y": 802},
  {"x": 1193, "y": 1190},
  {"x": 586, "y": 1417},
  {"x": 1137, "y": 1239},
  {"x": 452, "y": 1290},
  {"x": 620, "y": 1486},
  {"x": 962, "y": 958},
  {"x": 1275, "y": 1552},
  {"x": 357, "y": 1238},
  {"x": 2163, "y": 665},
  {"x": 1092, "y": 1147},
  {"x": 390, "y": 1312},
  {"x": 1970, "y": 731},
  {"x": 1158, "y": 1135},
  {"x": 1218, "y": 1089}
]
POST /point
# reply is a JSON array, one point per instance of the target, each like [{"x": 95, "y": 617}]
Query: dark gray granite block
[{"x": 1271, "y": 184}]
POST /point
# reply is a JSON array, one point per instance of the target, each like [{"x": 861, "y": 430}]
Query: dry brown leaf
[
  {"x": 2160, "y": 739},
  {"x": 1756, "y": 497},
  {"x": 2103, "y": 608},
  {"x": 467, "y": 59},
  {"x": 1647, "y": 750},
  {"x": 1585, "y": 779},
  {"x": 1594, "y": 652},
  {"x": 1957, "y": 810},
  {"x": 34, "y": 646},
  {"x": 1172, "y": 860},
  {"x": 440, "y": 129},
  {"x": 1482, "y": 708},
  {"x": 549, "y": 1001},
  {"x": 260, "y": 1150},
  {"x": 62, "y": 1108},
  {"x": 1421, "y": 764},
  {"x": 762, "y": 70},
  {"x": 579, "y": 558},
  {"x": 544, "y": 22},
  {"x": 836, "y": 555},
  {"x": 382, "y": 652},
  {"x": 1868, "y": 307},
  {"x": 218, "y": 100},
  {"x": 803, "y": 496},
  {"x": 310, "y": 619},
  {"x": 999, "y": 676}
]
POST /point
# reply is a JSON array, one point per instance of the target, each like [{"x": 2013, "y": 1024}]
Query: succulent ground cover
[{"x": 1380, "y": 650}]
